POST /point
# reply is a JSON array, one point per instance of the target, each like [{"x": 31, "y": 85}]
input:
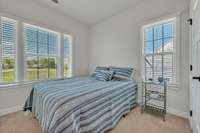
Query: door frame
[{"x": 193, "y": 5}]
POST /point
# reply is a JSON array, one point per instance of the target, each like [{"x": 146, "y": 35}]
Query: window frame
[
  {"x": 20, "y": 63},
  {"x": 176, "y": 18},
  {"x": 70, "y": 55}
]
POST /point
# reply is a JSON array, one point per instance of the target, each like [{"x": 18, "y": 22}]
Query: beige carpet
[{"x": 134, "y": 122}]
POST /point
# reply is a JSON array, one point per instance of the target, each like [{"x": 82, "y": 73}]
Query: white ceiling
[{"x": 90, "y": 11}]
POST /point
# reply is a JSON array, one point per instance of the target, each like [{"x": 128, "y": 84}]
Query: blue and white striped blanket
[{"x": 81, "y": 104}]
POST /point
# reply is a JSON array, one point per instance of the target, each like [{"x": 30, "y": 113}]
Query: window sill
[
  {"x": 14, "y": 84},
  {"x": 23, "y": 83}
]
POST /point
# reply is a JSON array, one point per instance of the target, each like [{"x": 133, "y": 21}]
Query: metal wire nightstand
[{"x": 154, "y": 97}]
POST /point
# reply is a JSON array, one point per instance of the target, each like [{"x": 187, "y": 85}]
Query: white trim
[
  {"x": 15, "y": 85},
  {"x": 10, "y": 110},
  {"x": 172, "y": 111},
  {"x": 70, "y": 60},
  {"x": 20, "y": 67},
  {"x": 159, "y": 19},
  {"x": 177, "y": 112},
  {"x": 24, "y": 83},
  {"x": 192, "y": 8},
  {"x": 142, "y": 53},
  {"x": 60, "y": 60},
  {"x": 177, "y": 48},
  {"x": 36, "y": 23},
  {"x": 190, "y": 62},
  {"x": 195, "y": 4}
]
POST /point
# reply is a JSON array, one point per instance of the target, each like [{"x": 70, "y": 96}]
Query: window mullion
[
  {"x": 48, "y": 55},
  {"x": 162, "y": 51},
  {"x": 60, "y": 56},
  {"x": 153, "y": 56},
  {"x": 176, "y": 52},
  {"x": 19, "y": 52},
  {"x": 38, "y": 63}
]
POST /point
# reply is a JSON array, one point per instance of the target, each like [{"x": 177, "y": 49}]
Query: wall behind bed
[
  {"x": 116, "y": 41},
  {"x": 13, "y": 97}
]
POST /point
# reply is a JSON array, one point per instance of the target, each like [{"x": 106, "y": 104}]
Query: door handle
[{"x": 197, "y": 78}]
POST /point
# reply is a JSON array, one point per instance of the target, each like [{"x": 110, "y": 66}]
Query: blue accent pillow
[
  {"x": 99, "y": 68},
  {"x": 121, "y": 72},
  {"x": 104, "y": 75}
]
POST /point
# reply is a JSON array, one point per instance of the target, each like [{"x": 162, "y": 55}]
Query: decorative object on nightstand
[{"x": 154, "y": 96}]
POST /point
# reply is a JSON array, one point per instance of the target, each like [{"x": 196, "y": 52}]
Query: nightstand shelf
[{"x": 154, "y": 97}]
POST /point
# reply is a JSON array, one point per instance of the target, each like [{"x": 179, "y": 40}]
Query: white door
[{"x": 195, "y": 60}]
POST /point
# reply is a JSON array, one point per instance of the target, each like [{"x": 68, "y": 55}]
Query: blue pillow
[
  {"x": 99, "y": 68},
  {"x": 104, "y": 75},
  {"x": 121, "y": 72}
]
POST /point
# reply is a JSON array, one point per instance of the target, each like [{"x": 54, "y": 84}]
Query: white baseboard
[
  {"x": 10, "y": 110},
  {"x": 178, "y": 112},
  {"x": 174, "y": 111}
]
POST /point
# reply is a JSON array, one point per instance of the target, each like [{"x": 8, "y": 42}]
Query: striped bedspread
[{"x": 81, "y": 104}]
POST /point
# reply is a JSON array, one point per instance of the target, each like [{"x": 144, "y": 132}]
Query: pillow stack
[{"x": 112, "y": 73}]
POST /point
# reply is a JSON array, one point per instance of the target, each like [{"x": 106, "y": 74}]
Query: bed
[{"x": 81, "y": 104}]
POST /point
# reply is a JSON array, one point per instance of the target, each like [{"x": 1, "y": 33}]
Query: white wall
[
  {"x": 116, "y": 41},
  {"x": 31, "y": 12}
]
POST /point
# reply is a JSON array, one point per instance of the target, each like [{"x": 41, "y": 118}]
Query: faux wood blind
[
  {"x": 160, "y": 52},
  {"x": 7, "y": 49},
  {"x": 41, "y": 53}
]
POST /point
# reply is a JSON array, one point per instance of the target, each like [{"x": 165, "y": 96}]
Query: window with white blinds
[
  {"x": 159, "y": 49},
  {"x": 41, "y": 53},
  {"x": 67, "y": 55},
  {"x": 30, "y": 53},
  {"x": 7, "y": 49}
]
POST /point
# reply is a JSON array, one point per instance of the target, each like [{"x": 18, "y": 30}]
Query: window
[
  {"x": 7, "y": 49},
  {"x": 30, "y": 53},
  {"x": 41, "y": 53},
  {"x": 67, "y": 55},
  {"x": 159, "y": 51}
]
